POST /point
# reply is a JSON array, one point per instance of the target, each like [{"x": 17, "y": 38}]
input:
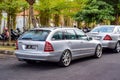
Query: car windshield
[
  {"x": 35, "y": 35},
  {"x": 103, "y": 29}
]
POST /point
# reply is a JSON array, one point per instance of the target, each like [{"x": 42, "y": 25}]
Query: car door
[
  {"x": 72, "y": 41},
  {"x": 58, "y": 42},
  {"x": 85, "y": 45}
]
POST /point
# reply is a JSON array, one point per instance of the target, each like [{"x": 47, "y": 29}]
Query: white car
[
  {"x": 108, "y": 35},
  {"x": 60, "y": 45}
]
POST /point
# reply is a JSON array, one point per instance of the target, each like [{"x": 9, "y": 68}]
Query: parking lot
[{"x": 105, "y": 68}]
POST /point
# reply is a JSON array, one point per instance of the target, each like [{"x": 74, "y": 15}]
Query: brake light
[
  {"x": 16, "y": 45},
  {"x": 107, "y": 37},
  {"x": 48, "y": 47}
]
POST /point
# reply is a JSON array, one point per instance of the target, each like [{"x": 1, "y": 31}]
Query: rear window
[
  {"x": 103, "y": 29},
  {"x": 35, "y": 35}
]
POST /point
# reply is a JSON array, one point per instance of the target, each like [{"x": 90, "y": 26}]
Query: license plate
[{"x": 31, "y": 47}]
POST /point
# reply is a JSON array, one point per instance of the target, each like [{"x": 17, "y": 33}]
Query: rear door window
[
  {"x": 35, "y": 35},
  {"x": 58, "y": 36},
  {"x": 70, "y": 34}
]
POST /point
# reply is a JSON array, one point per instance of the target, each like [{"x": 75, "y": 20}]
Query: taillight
[
  {"x": 48, "y": 47},
  {"x": 16, "y": 44},
  {"x": 107, "y": 37}
]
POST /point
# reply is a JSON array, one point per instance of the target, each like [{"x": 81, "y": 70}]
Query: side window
[
  {"x": 70, "y": 34},
  {"x": 118, "y": 30},
  {"x": 80, "y": 34},
  {"x": 58, "y": 36}
]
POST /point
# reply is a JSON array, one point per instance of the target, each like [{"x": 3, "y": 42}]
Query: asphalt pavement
[{"x": 105, "y": 68}]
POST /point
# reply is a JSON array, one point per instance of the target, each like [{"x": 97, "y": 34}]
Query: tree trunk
[
  {"x": 24, "y": 17},
  {"x": 32, "y": 16},
  {"x": 117, "y": 19},
  {"x": 0, "y": 19},
  {"x": 44, "y": 18},
  {"x": 14, "y": 22},
  {"x": 56, "y": 19},
  {"x": 9, "y": 26},
  {"x": 67, "y": 21},
  {"x": 78, "y": 24},
  {"x": 31, "y": 2}
]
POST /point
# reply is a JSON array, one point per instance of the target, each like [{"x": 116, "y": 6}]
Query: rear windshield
[
  {"x": 35, "y": 35},
  {"x": 103, "y": 29}
]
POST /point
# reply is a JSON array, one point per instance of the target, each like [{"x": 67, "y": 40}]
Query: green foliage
[
  {"x": 74, "y": 6},
  {"x": 50, "y": 5},
  {"x": 115, "y": 4},
  {"x": 65, "y": 7},
  {"x": 95, "y": 11},
  {"x": 59, "y": 7},
  {"x": 12, "y": 6}
]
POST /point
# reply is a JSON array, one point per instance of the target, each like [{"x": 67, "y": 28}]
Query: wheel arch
[
  {"x": 69, "y": 51},
  {"x": 64, "y": 51},
  {"x": 118, "y": 41}
]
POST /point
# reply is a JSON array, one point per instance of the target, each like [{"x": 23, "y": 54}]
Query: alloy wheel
[
  {"x": 98, "y": 52},
  {"x": 117, "y": 47},
  {"x": 65, "y": 59}
]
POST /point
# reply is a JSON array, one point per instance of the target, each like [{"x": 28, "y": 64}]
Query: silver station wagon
[
  {"x": 60, "y": 45},
  {"x": 108, "y": 35}
]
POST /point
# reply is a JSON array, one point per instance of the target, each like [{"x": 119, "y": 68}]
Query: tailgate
[
  {"x": 97, "y": 36},
  {"x": 31, "y": 45}
]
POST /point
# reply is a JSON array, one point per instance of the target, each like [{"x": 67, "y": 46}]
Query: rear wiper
[{"x": 27, "y": 38}]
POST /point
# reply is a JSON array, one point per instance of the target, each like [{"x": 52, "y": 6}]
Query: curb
[
  {"x": 7, "y": 44},
  {"x": 6, "y": 52}
]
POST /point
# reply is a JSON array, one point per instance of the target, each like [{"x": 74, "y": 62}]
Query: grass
[{"x": 9, "y": 48}]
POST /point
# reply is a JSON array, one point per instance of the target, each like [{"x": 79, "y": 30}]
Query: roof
[
  {"x": 53, "y": 28},
  {"x": 107, "y": 25}
]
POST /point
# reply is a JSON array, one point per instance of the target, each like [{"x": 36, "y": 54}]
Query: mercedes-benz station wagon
[
  {"x": 108, "y": 35},
  {"x": 61, "y": 45}
]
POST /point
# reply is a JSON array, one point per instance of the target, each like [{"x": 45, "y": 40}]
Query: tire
[
  {"x": 117, "y": 48},
  {"x": 98, "y": 51},
  {"x": 65, "y": 59}
]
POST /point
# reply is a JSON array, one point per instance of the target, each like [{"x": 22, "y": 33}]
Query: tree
[
  {"x": 45, "y": 9},
  {"x": 95, "y": 11},
  {"x": 0, "y": 12},
  {"x": 55, "y": 8},
  {"x": 31, "y": 13},
  {"x": 11, "y": 7},
  {"x": 73, "y": 6},
  {"x": 116, "y": 5}
]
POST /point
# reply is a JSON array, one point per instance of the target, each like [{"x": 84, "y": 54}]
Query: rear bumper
[
  {"x": 108, "y": 44},
  {"x": 44, "y": 56}
]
